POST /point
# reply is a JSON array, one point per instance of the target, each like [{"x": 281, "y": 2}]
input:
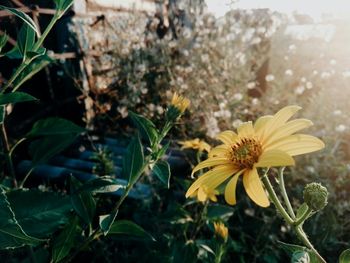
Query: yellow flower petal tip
[
  {"x": 195, "y": 144},
  {"x": 271, "y": 142}
]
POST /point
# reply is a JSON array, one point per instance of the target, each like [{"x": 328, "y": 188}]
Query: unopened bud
[
  {"x": 300, "y": 257},
  {"x": 315, "y": 196}
]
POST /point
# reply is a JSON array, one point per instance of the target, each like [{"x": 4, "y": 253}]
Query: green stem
[
  {"x": 298, "y": 229},
  {"x": 46, "y": 32},
  {"x": 302, "y": 236},
  {"x": 303, "y": 217},
  {"x": 219, "y": 254},
  {"x": 85, "y": 244},
  {"x": 14, "y": 76},
  {"x": 284, "y": 193},
  {"x": 26, "y": 177},
  {"x": 16, "y": 144},
  {"x": 7, "y": 153},
  {"x": 275, "y": 200}
]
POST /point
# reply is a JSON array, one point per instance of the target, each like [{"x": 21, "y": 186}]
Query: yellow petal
[
  {"x": 220, "y": 150},
  {"x": 230, "y": 190},
  {"x": 288, "y": 129},
  {"x": 210, "y": 162},
  {"x": 206, "y": 178},
  {"x": 274, "y": 158},
  {"x": 261, "y": 122},
  {"x": 202, "y": 196},
  {"x": 217, "y": 180},
  {"x": 254, "y": 188},
  {"x": 279, "y": 119},
  {"x": 227, "y": 137},
  {"x": 298, "y": 144},
  {"x": 246, "y": 130}
]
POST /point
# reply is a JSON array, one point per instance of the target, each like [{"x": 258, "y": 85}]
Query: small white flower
[
  {"x": 251, "y": 85},
  {"x": 333, "y": 62},
  {"x": 238, "y": 96},
  {"x": 337, "y": 112},
  {"x": 340, "y": 128},
  {"x": 236, "y": 123},
  {"x": 292, "y": 47},
  {"x": 286, "y": 58},
  {"x": 315, "y": 72},
  {"x": 289, "y": 72},
  {"x": 325, "y": 75},
  {"x": 270, "y": 78},
  {"x": 309, "y": 85},
  {"x": 299, "y": 90},
  {"x": 310, "y": 169},
  {"x": 303, "y": 79},
  {"x": 255, "y": 101}
]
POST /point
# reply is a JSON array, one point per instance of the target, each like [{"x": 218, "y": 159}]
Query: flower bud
[{"x": 315, "y": 196}]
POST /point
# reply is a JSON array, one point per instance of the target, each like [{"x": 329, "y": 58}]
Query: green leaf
[
  {"x": 43, "y": 149},
  {"x": 105, "y": 184},
  {"x": 133, "y": 161},
  {"x": 25, "y": 39},
  {"x": 14, "y": 53},
  {"x": 83, "y": 203},
  {"x": 54, "y": 126},
  {"x": 32, "y": 69},
  {"x": 146, "y": 128},
  {"x": 63, "y": 5},
  {"x": 300, "y": 257},
  {"x": 162, "y": 150},
  {"x": 129, "y": 228},
  {"x": 162, "y": 170},
  {"x": 3, "y": 41},
  {"x": 66, "y": 240},
  {"x": 345, "y": 256},
  {"x": 15, "y": 97},
  {"x": 11, "y": 233},
  {"x": 222, "y": 212},
  {"x": 106, "y": 221},
  {"x": 291, "y": 248},
  {"x": 301, "y": 210},
  {"x": 39, "y": 213},
  {"x": 2, "y": 114},
  {"x": 22, "y": 16}
]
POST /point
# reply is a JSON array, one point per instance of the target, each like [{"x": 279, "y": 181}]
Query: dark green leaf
[
  {"x": 63, "y": 5},
  {"x": 146, "y": 128},
  {"x": 163, "y": 150},
  {"x": 54, "y": 126},
  {"x": 3, "y": 41},
  {"x": 162, "y": 170},
  {"x": 84, "y": 204},
  {"x": 106, "y": 221},
  {"x": 222, "y": 212},
  {"x": 25, "y": 39},
  {"x": 15, "y": 97},
  {"x": 39, "y": 213},
  {"x": 43, "y": 149},
  {"x": 345, "y": 256},
  {"x": 66, "y": 240},
  {"x": 2, "y": 114},
  {"x": 33, "y": 68},
  {"x": 133, "y": 161},
  {"x": 11, "y": 233},
  {"x": 22, "y": 16},
  {"x": 126, "y": 227},
  {"x": 104, "y": 184},
  {"x": 14, "y": 53}
]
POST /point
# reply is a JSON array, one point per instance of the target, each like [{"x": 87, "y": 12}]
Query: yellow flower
[
  {"x": 204, "y": 193},
  {"x": 269, "y": 142},
  {"x": 180, "y": 102},
  {"x": 221, "y": 230},
  {"x": 195, "y": 144}
]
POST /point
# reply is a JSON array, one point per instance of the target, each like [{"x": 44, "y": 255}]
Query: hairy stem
[{"x": 284, "y": 193}]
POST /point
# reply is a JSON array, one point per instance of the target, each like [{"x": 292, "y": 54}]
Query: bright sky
[{"x": 312, "y": 7}]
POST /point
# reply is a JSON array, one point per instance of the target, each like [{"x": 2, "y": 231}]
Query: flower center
[{"x": 245, "y": 153}]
